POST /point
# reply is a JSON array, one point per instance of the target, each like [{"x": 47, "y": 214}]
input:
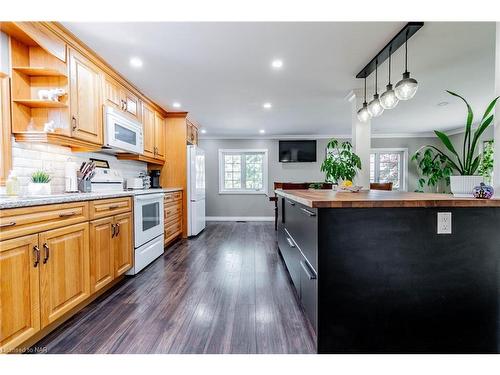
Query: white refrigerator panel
[
  {"x": 196, "y": 217},
  {"x": 196, "y": 173}
]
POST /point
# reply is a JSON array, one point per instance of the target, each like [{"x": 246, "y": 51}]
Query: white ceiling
[{"x": 221, "y": 72}]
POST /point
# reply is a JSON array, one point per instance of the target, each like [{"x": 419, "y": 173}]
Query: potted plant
[
  {"x": 39, "y": 184},
  {"x": 433, "y": 169},
  {"x": 341, "y": 163},
  {"x": 465, "y": 165}
]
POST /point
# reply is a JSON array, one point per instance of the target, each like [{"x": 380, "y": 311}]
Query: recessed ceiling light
[
  {"x": 176, "y": 105},
  {"x": 203, "y": 131},
  {"x": 442, "y": 104},
  {"x": 277, "y": 64},
  {"x": 136, "y": 62},
  {"x": 262, "y": 131},
  {"x": 267, "y": 105}
]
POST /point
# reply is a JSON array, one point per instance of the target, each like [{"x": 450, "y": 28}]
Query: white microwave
[{"x": 122, "y": 133}]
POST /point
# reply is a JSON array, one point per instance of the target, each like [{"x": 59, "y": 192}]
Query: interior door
[
  {"x": 64, "y": 271},
  {"x": 122, "y": 243},
  {"x": 19, "y": 291},
  {"x": 101, "y": 253},
  {"x": 160, "y": 136},
  {"x": 148, "y": 117},
  {"x": 85, "y": 99}
]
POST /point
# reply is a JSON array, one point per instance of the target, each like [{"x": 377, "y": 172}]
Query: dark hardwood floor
[{"x": 225, "y": 291}]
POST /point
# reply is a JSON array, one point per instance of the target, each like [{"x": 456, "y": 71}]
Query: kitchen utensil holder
[{"x": 84, "y": 186}]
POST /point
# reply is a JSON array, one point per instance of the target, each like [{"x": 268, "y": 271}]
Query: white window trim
[
  {"x": 404, "y": 167},
  {"x": 264, "y": 189}
]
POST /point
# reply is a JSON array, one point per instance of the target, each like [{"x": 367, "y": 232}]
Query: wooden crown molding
[{"x": 176, "y": 114}]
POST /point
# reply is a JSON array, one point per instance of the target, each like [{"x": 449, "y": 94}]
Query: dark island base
[{"x": 389, "y": 284}]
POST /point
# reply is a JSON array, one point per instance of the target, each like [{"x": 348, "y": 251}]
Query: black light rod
[{"x": 390, "y": 48}]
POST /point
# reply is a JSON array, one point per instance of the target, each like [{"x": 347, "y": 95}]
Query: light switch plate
[{"x": 444, "y": 223}]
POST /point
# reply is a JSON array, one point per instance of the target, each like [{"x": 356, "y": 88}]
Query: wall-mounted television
[{"x": 297, "y": 151}]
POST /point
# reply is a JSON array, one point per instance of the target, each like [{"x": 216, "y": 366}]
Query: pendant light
[
  {"x": 375, "y": 108},
  {"x": 388, "y": 99},
  {"x": 407, "y": 87},
  {"x": 363, "y": 114}
]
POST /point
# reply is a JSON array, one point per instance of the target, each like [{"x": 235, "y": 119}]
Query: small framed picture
[{"x": 99, "y": 163}]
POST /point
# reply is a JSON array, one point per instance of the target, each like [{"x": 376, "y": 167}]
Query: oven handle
[{"x": 148, "y": 197}]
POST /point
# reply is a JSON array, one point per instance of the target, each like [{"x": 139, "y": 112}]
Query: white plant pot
[
  {"x": 39, "y": 189},
  {"x": 463, "y": 186}
]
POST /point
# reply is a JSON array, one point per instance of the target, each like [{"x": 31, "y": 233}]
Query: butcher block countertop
[{"x": 379, "y": 198}]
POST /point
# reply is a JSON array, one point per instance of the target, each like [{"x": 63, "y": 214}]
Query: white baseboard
[{"x": 239, "y": 218}]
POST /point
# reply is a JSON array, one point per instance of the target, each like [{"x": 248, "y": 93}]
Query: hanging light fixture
[
  {"x": 388, "y": 99},
  {"x": 375, "y": 108},
  {"x": 363, "y": 114},
  {"x": 407, "y": 87}
]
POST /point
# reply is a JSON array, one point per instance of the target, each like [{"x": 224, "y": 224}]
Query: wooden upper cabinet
[
  {"x": 160, "y": 132},
  {"x": 85, "y": 99},
  {"x": 19, "y": 292},
  {"x": 120, "y": 98},
  {"x": 191, "y": 133},
  {"x": 148, "y": 121},
  {"x": 64, "y": 270},
  {"x": 123, "y": 245},
  {"x": 101, "y": 253}
]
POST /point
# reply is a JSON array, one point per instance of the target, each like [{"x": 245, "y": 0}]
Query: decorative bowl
[{"x": 483, "y": 191}]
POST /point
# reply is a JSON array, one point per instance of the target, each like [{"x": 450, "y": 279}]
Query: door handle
[
  {"x": 291, "y": 203},
  {"x": 36, "y": 253},
  {"x": 305, "y": 267},
  {"x": 73, "y": 122},
  {"x": 11, "y": 224},
  {"x": 117, "y": 230},
  {"x": 47, "y": 253},
  {"x": 307, "y": 212},
  {"x": 112, "y": 230},
  {"x": 290, "y": 242}
]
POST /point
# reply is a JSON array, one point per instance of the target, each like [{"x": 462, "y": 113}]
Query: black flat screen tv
[{"x": 297, "y": 151}]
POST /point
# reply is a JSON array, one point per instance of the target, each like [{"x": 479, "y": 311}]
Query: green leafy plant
[
  {"x": 340, "y": 162},
  {"x": 316, "y": 185},
  {"x": 40, "y": 177},
  {"x": 467, "y": 163},
  {"x": 486, "y": 165},
  {"x": 433, "y": 168}
]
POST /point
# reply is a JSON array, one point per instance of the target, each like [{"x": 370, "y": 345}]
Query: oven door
[
  {"x": 123, "y": 133},
  {"x": 148, "y": 217}
]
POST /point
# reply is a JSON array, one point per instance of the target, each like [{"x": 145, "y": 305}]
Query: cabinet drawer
[
  {"x": 171, "y": 219},
  {"x": 309, "y": 292},
  {"x": 172, "y": 209},
  {"x": 18, "y": 222},
  {"x": 107, "y": 207},
  {"x": 291, "y": 255},
  {"x": 173, "y": 197},
  {"x": 302, "y": 224},
  {"x": 173, "y": 230}
]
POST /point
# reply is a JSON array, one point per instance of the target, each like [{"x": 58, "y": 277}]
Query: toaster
[{"x": 135, "y": 183}]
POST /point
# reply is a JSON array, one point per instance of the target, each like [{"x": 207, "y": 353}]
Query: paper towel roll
[{"x": 70, "y": 177}]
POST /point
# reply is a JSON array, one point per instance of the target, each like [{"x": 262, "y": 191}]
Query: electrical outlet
[{"x": 444, "y": 223}]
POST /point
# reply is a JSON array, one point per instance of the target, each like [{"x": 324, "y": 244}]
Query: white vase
[
  {"x": 462, "y": 186},
  {"x": 39, "y": 188}
]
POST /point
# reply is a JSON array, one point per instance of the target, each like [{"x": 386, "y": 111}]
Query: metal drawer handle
[
  {"x": 47, "y": 253},
  {"x": 290, "y": 242},
  {"x": 67, "y": 214},
  {"x": 36, "y": 252},
  {"x": 291, "y": 203},
  {"x": 310, "y": 213},
  {"x": 114, "y": 206},
  {"x": 11, "y": 224},
  {"x": 305, "y": 267}
]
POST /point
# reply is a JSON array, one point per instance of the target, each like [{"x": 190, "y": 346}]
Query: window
[
  {"x": 389, "y": 165},
  {"x": 243, "y": 171}
]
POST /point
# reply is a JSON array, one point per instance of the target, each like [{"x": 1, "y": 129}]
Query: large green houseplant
[
  {"x": 464, "y": 162},
  {"x": 341, "y": 163}
]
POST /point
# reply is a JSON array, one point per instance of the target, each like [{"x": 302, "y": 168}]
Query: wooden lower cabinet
[
  {"x": 172, "y": 216},
  {"x": 19, "y": 292},
  {"x": 64, "y": 270},
  {"x": 101, "y": 253},
  {"x": 123, "y": 243}
]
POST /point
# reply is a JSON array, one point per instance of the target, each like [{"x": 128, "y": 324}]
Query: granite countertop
[
  {"x": 379, "y": 198},
  {"x": 20, "y": 201}
]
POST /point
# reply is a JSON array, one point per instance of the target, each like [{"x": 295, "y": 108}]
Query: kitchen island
[{"x": 374, "y": 276}]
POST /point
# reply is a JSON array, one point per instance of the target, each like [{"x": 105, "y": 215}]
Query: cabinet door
[
  {"x": 85, "y": 98},
  {"x": 309, "y": 292},
  {"x": 19, "y": 291},
  {"x": 131, "y": 104},
  {"x": 160, "y": 136},
  {"x": 148, "y": 120},
  {"x": 64, "y": 271},
  {"x": 122, "y": 243},
  {"x": 112, "y": 93},
  {"x": 101, "y": 253}
]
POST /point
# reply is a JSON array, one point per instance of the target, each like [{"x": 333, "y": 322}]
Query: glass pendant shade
[
  {"x": 374, "y": 107},
  {"x": 363, "y": 114},
  {"x": 389, "y": 100},
  {"x": 406, "y": 88}
]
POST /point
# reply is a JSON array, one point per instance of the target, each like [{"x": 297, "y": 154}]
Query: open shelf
[
  {"x": 36, "y": 103},
  {"x": 39, "y": 71}
]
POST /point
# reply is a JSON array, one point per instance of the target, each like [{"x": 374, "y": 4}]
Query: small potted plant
[
  {"x": 465, "y": 162},
  {"x": 341, "y": 164},
  {"x": 39, "y": 184}
]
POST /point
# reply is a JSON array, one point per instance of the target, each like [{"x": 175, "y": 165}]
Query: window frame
[
  {"x": 404, "y": 161},
  {"x": 263, "y": 191}
]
